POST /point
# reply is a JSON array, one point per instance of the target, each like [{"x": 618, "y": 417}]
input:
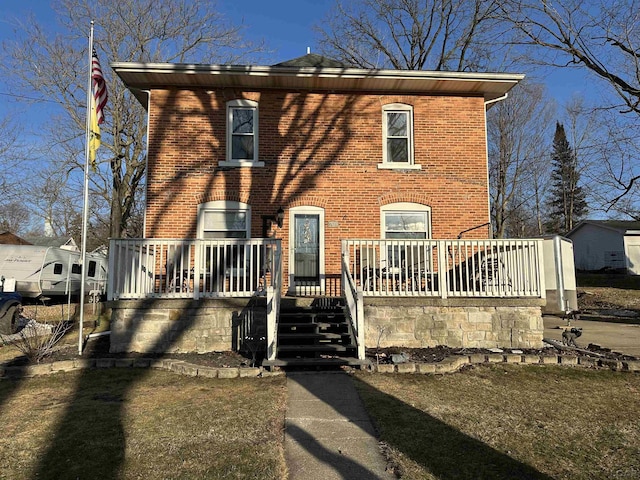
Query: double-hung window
[
  {"x": 405, "y": 222},
  {"x": 242, "y": 133},
  {"x": 406, "y": 225},
  {"x": 397, "y": 135},
  {"x": 230, "y": 220},
  {"x": 224, "y": 220}
]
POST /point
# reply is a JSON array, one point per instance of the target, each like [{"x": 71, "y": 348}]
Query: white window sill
[
  {"x": 240, "y": 163},
  {"x": 398, "y": 166}
]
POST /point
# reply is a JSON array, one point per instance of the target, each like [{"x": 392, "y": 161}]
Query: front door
[{"x": 306, "y": 256}]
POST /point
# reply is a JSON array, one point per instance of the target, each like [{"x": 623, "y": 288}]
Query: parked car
[{"x": 10, "y": 308}]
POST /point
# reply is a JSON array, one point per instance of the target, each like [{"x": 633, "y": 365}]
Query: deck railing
[
  {"x": 446, "y": 268},
  {"x": 197, "y": 268},
  {"x": 355, "y": 305},
  {"x": 274, "y": 295}
]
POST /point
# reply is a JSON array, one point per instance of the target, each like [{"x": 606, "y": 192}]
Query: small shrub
[
  {"x": 36, "y": 341},
  {"x": 383, "y": 331}
]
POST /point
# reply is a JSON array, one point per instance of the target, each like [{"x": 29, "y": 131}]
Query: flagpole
[{"x": 85, "y": 204}]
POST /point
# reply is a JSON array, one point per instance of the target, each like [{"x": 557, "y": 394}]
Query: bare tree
[
  {"x": 600, "y": 35},
  {"x": 518, "y": 127},
  {"x": 15, "y": 166},
  {"x": 10, "y": 158},
  {"x": 14, "y": 217},
  {"x": 411, "y": 34},
  {"x": 614, "y": 171},
  {"x": 55, "y": 66}
]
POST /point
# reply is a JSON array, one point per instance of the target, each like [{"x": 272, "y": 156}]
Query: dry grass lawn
[
  {"x": 498, "y": 422},
  {"x": 601, "y": 291},
  {"x": 509, "y": 422},
  {"x": 146, "y": 424}
]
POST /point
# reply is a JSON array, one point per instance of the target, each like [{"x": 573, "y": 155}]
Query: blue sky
[
  {"x": 287, "y": 29},
  {"x": 285, "y": 25}
]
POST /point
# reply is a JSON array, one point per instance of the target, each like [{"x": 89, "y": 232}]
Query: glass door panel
[{"x": 307, "y": 247}]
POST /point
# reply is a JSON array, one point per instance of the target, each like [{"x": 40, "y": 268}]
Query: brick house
[{"x": 310, "y": 179}]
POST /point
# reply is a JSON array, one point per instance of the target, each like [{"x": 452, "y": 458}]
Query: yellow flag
[{"x": 94, "y": 134}]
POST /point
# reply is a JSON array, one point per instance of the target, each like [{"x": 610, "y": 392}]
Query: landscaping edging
[
  {"x": 454, "y": 363},
  {"x": 170, "y": 365},
  {"x": 447, "y": 365}
]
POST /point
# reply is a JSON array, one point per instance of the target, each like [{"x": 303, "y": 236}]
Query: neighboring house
[
  {"x": 313, "y": 179},
  {"x": 8, "y": 238},
  {"x": 65, "y": 243},
  {"x": 607, "y": 244}
]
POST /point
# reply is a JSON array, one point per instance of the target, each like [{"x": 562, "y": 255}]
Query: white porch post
[
  {"x": 360, "y": 324},
  {"x": 442, "y": 268}
]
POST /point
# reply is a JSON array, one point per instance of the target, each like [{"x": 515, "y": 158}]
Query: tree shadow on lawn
[
  {"x": 618, "y": 280},
  {"x": 89, "y": 441},
  {"x": 442, "y": 450},
  {"x": 332, "y": 139}
]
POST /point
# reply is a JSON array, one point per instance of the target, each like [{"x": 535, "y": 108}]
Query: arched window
[{"x": 405, "y": 220}]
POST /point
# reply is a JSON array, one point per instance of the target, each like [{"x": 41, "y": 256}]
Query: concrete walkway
[
  {"x": 328, "y": 434},
  {"x": 619, "y": 337}
]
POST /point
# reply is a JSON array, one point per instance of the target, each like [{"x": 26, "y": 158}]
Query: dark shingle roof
[
  {"x": 618, "y": 224},
  {"x": 313, "y": 60}
]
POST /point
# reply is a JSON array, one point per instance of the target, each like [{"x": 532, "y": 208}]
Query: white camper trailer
[{"x": 35, "y": 271}]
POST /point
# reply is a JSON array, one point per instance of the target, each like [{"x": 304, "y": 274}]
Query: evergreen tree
[{"x": 567, "y": 200}]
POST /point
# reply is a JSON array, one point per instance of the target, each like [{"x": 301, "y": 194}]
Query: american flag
[{"x": 99, "y": 87}]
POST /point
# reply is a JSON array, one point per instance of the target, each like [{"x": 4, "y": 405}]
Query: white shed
[{"x": 600, "y": 244}]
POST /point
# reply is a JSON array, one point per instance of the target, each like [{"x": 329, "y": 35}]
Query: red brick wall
[{"x": 319, "y": 149}]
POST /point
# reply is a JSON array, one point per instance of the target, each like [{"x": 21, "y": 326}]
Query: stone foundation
[
  {"x": 166, "y": 326},
  {"x": 177, "y": 326},
  {"x": 469, "y": 323}
]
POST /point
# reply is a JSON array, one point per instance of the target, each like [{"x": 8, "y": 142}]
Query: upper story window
[
  {"x": 242, "y": 133},
  {"x": 397, "y": 136}
]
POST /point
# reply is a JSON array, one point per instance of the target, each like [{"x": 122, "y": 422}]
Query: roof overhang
[{"x": 141, "y": 77}]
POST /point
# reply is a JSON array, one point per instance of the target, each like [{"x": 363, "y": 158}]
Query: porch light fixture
[
  {"x": 280, "y": 217},
  {"x": 268, "y": 220}
]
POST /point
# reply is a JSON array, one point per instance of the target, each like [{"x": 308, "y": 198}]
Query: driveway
[{"x": 619, "y": 337}]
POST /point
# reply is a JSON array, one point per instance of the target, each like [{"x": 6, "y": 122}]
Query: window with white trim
[
  {"x": 397, "y": 135},
  {"x": 242, "y": 132},
  {"x": 404, "y": 221},
  {"x": 224, "y": 219}
]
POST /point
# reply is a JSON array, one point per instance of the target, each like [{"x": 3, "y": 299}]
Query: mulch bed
[
  {"x": 439, "y": 353},
  {"x": 99, "y": 348}
]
